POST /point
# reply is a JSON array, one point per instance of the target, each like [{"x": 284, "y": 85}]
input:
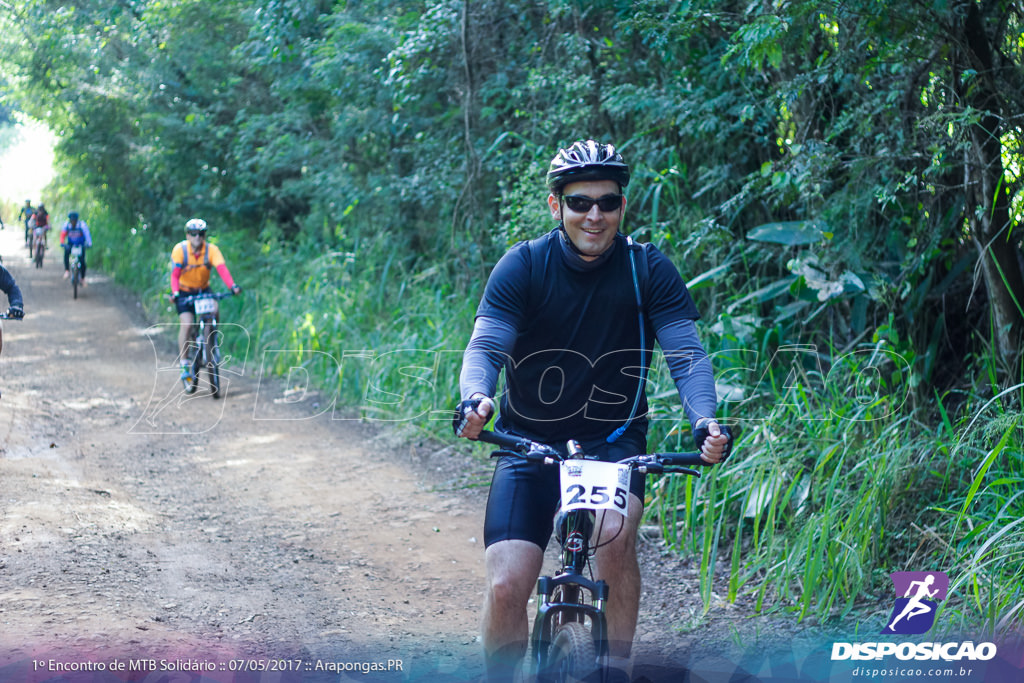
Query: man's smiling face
[{"x": 594, "y": 230}]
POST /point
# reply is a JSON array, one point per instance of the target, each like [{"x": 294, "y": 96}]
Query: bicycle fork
[
  {"x": 202, "y": 340},
  {"x": 569, "y": 607}
]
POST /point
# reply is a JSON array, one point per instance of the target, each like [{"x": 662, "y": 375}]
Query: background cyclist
[
  {"x": 191, "y": 261},
  {"x": 42, "y": 226},
  {"x": 25, "y": 215},
  {"x": 16, "y": 305},
  {"x": 75, "y": 233},
  {"x": 569, "y": 342}
]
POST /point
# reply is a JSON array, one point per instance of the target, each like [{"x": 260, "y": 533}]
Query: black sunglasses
[
  {"x": 196, "y": 232},
  {"x": 582, "y": 204}
]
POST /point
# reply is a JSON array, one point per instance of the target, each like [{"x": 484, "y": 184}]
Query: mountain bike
[
  {"x": 205, "y": 338},
  {"x": 570, "y": 631},
  {"x": 38, "y": 247},
  {"x": 75, "y": 266}
]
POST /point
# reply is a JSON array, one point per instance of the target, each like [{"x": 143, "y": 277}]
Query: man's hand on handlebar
[
  {"x": 713, "y": 440},
  {"x": 472, "y": 415}
]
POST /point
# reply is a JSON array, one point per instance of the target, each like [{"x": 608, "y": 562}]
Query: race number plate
[
  {"x": 76, "y": 250},
  {"x": 204, "y": 306},
  {"x": 594, "y": 485}
]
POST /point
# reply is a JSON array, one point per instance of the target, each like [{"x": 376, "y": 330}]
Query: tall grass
[{"x": 832, "y": 490}]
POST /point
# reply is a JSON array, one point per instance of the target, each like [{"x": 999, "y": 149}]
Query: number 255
[{"x": 598, "y": 496}]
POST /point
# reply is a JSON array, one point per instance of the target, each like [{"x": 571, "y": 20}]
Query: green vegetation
[{"x": 840, "y": 183}]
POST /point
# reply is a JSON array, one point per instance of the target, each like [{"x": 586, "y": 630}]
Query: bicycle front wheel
[
  {"x": 213, "y": 370},
  {"x": 213, "y": 362},
  {"x": 192, "y": 381},
  {"x": 573, "y": 655}
]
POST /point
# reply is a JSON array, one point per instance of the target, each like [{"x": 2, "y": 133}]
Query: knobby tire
[
  {"x": 572, "y": 656},
  {"x": 197, "y": 364},
  {"x": 213, "y": 366}
]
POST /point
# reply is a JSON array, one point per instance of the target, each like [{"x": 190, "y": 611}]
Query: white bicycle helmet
[
  {"x": 586, "y": 160},
  {"x": 196, "y": 225}
]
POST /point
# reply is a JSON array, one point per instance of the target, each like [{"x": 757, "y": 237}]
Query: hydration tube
[{"x": 614, "y": 436}]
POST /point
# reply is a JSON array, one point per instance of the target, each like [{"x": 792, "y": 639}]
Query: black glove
[
  {"x": 701, "y": 433},
  {"x": 15, "y": 312},
  {"x": 463, "y": 409}
]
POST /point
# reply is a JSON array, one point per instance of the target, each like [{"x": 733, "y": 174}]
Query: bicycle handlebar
[
  {"x": 651, "y": 463},
  {"x": 190, "y": 298},
  {"x": 530, "y": 450},
  {"x": 512, "y": 443}
]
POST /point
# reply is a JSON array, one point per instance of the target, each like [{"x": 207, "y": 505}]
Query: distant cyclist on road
[
  {"x": 16, "y": 308},
  {"x": 191, "y": 261},
  {"x": 26, "y": 214},
  {"x": 74, "y": 233},
  {"x": 42, "y": 226},
  {"x": 42, "y": 217}
]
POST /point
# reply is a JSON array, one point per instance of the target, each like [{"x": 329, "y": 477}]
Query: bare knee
[
  {"x": 511, "y": 586},
  {"x": 512, "y": 569},
  {"x": 508, "y": 593},
  {"x": 618, "y": 533},
  {"x": 185, "y": 330},
  {"x": 616, "y": 540}
]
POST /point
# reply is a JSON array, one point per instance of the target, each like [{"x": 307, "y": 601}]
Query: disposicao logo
[{"x": 918, "y": 597}]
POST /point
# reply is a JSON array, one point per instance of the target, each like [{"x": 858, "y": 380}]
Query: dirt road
[
  {"x": 134, "y": 523},
  {"x": 137, "y": 526}
]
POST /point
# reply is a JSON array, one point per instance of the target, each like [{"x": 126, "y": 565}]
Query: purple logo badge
[{"x": 918, "y": 596}]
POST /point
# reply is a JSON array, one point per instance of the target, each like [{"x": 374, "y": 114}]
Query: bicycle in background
[
  {"x": 75, "y": 267},
  {"x": 38, "y": 246},
  {"x": 206, "y": 341}
]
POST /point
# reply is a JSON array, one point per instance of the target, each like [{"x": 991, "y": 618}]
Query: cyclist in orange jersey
[{"x": 191, "y": 263}]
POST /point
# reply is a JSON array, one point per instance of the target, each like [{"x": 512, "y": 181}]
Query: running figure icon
[{"x": 914, "y": 612}]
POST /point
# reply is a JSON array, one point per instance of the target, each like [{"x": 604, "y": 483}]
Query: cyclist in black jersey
[
  {"x": 26, "y": 214},
  {"x": 572, "y": 318},
  {"x": 16, "y": 305}
]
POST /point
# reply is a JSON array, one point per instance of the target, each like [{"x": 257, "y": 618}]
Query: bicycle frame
[
  {"x": 203, "y": 334},
  {"x": 202, "y": 338},
  {"x": 38, "y": 248}
]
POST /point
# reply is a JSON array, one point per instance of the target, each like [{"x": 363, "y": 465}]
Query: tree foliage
[{"x": 895, "y": 130}]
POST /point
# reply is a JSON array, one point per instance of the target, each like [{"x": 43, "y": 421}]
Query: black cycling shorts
[
  {"x": 189, "y": 307},
  {"x": 524, "y": 496}
]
